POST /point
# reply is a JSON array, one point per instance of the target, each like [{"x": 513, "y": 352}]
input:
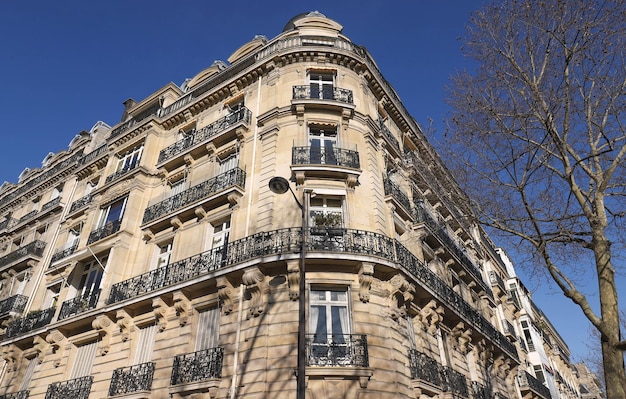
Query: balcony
[
  {"x": 448, "y": 240},
  {"x": 13, "y": 304},
  {"x": 31, "y": 321},
  {"x": 197, "y": 366},
  {"x": 183, "y": 204},
  {"x": 336, "y": 163},
  {"x": 425, "y": 369},
  {"x": 64, "y": 253},
  {"x": 513, "y": 298},
  {"x": 454, "y": 382},
  {"x": 16, "y": 395},
  {"x": 31, "y": 251},
  {"x": 391, "y": 140},
  {"x": 195, "y": 143},
  {"x": 529, "y": 384},
  {"x": 30, "y": 215},
  {"x": 79, "y": 305},
  {"x": 78, "y": 388},
  {"x": 330, "y": 93},
  {"x": 509, "y": 330},
  {"x": 104, "y": 231},
  {"x": 132, "y": 379},
  {"x": 479, "y": 391},
  {"x": 81, "y": 203},
  {"x": 337, "y": 350},
  {"x": 50, "y": 206},
  {"x": 399, "y": 199},
  {"x": 8, "y": 223},
  {"x": 121, "y": 173},
  {"x": 498, "y": 282}
]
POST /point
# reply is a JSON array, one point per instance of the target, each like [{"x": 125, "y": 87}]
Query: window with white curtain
[
  {"x": 85, "y": 355},
  {"x": 208, "y": 333},
  {"x": 329, "y": 316},
  {"x": 129, "y": 159},
  {"x": 145, "y": 344},
  {"x": 28, "y": 375}
]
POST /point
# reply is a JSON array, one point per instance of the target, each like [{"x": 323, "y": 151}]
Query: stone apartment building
[{"x": 153, "y": 259}]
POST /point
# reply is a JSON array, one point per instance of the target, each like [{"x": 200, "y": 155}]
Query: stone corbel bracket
[
  {"x": 293, "y": 279},
  {"x": 10, "y": 356},
  {"x": 159, "y": 309},
  {"x": 125, "y": 323},
  {"x": 41, "y": 348},
  {"x": 366, "y": 276},
  {"x": 402, "y": 294},
  {"x": 182, "y": 305},
  {"x": 103, "y": 325},
  {"x": 463, "y": 336},
  {"x": 255, "y": 283},
  {"x": 225, "y": 293},
  {"x": 432, "y": 315},
  {"x": 55, "y": 338}
]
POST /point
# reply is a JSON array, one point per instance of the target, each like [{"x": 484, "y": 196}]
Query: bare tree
[{"x": 538, "y": 129}]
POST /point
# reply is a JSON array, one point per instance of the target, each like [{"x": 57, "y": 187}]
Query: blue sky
[{"x": 71, "y": 63}]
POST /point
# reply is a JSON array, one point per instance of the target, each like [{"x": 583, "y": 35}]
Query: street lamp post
[{"x": 280, "y": 185}]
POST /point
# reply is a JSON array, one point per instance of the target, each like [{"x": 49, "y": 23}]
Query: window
[
  {"x": 178, "y": 186},
  {"x": 52, "y": 296},
  {"x": 221, "y": 231},
  {"x": 229, "y": 163},
  {"x": 527, "y": 336},
  {"x": 539, "y": 374},
  {"x": 73, "y": 237},
  {"x": 323, "y": 143},
  {"x": 129, "y": 159},
  {"x": 18, "y": 283},
  {"x": 145, "y": 344},
  {"x": 85, "y": 355},
  {"x": 113, "y": 212},
  {"x": 91, "y": 277},
  {"x": 329, "y": 315},
  {"x": 208, "y": 333},
  {"x": 321, "y": 84},
  {"x": 28, "y": 374},
  {"x": 165, "y": 253},
  {"x": 326, "y": 211}
]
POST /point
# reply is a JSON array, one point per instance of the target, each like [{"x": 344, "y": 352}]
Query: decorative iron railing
[
  {"x": 453, "y": 381},
  {"x": 424, "y": 367},
  {"x": 34, "y": 248},
  {"x": 79, "y": 304},
  {"x": 63, "y": 253},
  {"x": 50, "y": 204},
  {"x": 78, "y": 388},
  {"x": 234, "y": 177},
  {"x": 8, "y": 223},
  {"x": 527, "y": 381},
  {"x": 396, "y": 192},
  {"x": 122, "y": 172},
  {"x": 508, "y": 328},
  {"x": 31, "y": 321},
  {"x": 480, "y": 391},
  {"x": 242, "y": 114},
  {"x": 15, "y": 304},
  {"x": 81, "y": 203},
  {"x": 337, "y": 350},
  {"x": 314, "y": 92},
  {"x": 513, "y": 298},
  {"x": 132, "y": 379},
  {"x": 108, "y": 229},
  {"x": 197, "y": 366},
  {"x": 495, "y": 279},
  {"x": 16, "y": 395},
  {"x": 386, "y": 133},
  {"x": 423, "y": 215},
  {"x": 93, "y": 155},
  {"x": 325, "y": 156},
  {"x": 28, "y": 216},
  {"x": 289, "y": 240}
]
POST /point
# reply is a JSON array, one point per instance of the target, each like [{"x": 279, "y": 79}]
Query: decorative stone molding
[
  {"x": 55, "y": 338},
  {"x": 182, "y": 305},
  {"x": 432, "y": 315},
  {"x": 463, "y": 337},
  {"x": 9, "y": 354},
  {"x": 484, "y": 351},
  {"x": 293, "y": 279},
  {"x": 255, "y": 283},
  {"x": 200, "y": 212},
  {"x": 103, "y": 325},
  {"x": 225, "y": 293},
  {"x": 366, "y": 276},
  {"x": 148, "y": 235},
  {"x": 115, "y": 192},
  {"x": 502, "y": 366},
  {"x": 402, "y": 293},
  {"x": 125, "y": 324},
  {"x": 41, "y": 347},
  {"x": 176, "y": 222},
  {"x": 159, "y": 309}
]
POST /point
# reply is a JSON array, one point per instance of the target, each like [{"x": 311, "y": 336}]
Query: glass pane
[
  {"x": 320, "y": 326},
  {"x": 338, "y": 296}
]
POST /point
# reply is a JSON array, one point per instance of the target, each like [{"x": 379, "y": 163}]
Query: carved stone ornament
[
  {"x": 41, "y": 348},
  {"x": 9, "y": 354},
  {"x": 182, "y": 305},
  {"x": 225, "y": 293},
  {"x": 402, "y": 294},
  {"x": 366, "y": 276},
  {"x": 115, "y": 192},
  {"x": 293, "y": 279},
  {"x": 125, "y": 324},
  {"x": 103, "y": 325},
  {"x": 159, "y": 309},
  {"x": 255, "y": 283},
  {"x": 431, "y": 315},
  {"x": 55, "y": 338},
  {"x": 463, "y": 337}
]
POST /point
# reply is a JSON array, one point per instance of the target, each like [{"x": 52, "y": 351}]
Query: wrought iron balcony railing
[
  {"x": 81, "y": 203},
  {"x": 64, "y": 253},
  {"x": 104, "y": 231},
  {"x": 424, "y": 368},
  {"x": 396, "y": 192},
  {"x": 423, "y": 215},
  {"x": 132, "y": 379},
  {"x": 325, "y": 156},
  {"x": 508, "y": 328},
  {"x": 93, "y": 155},
  {"x": 34, "y": 248},
  {"x": 197, "y": 366},
  {"x": 13, "y": 304},
  {"x": 79, "y": 304},
  {"x": 495, "y": 279},
  {"x": 289, "y": 240},
  {"x": 453, "y": 381},
  {"x": 337, "y": 350},
  {"x": 480, "y": 391},
  {"x": 50, "y": 204},
  {"x": 528, "y": 382},
  {"x": 78, "y": 388},
  {"x": 313, "y": 92},
  {"x": 234, "y": 177},
  {"x": 31, "y": 321},
  {"x": 513, "y": 298},
  {"x": 28, "y": 216},
  {"x": 203, "y": 135},
  {"x": 16, "y": 395},
  {"x": 386, "y": 133},
  {"x": 122, "y": 172}
]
